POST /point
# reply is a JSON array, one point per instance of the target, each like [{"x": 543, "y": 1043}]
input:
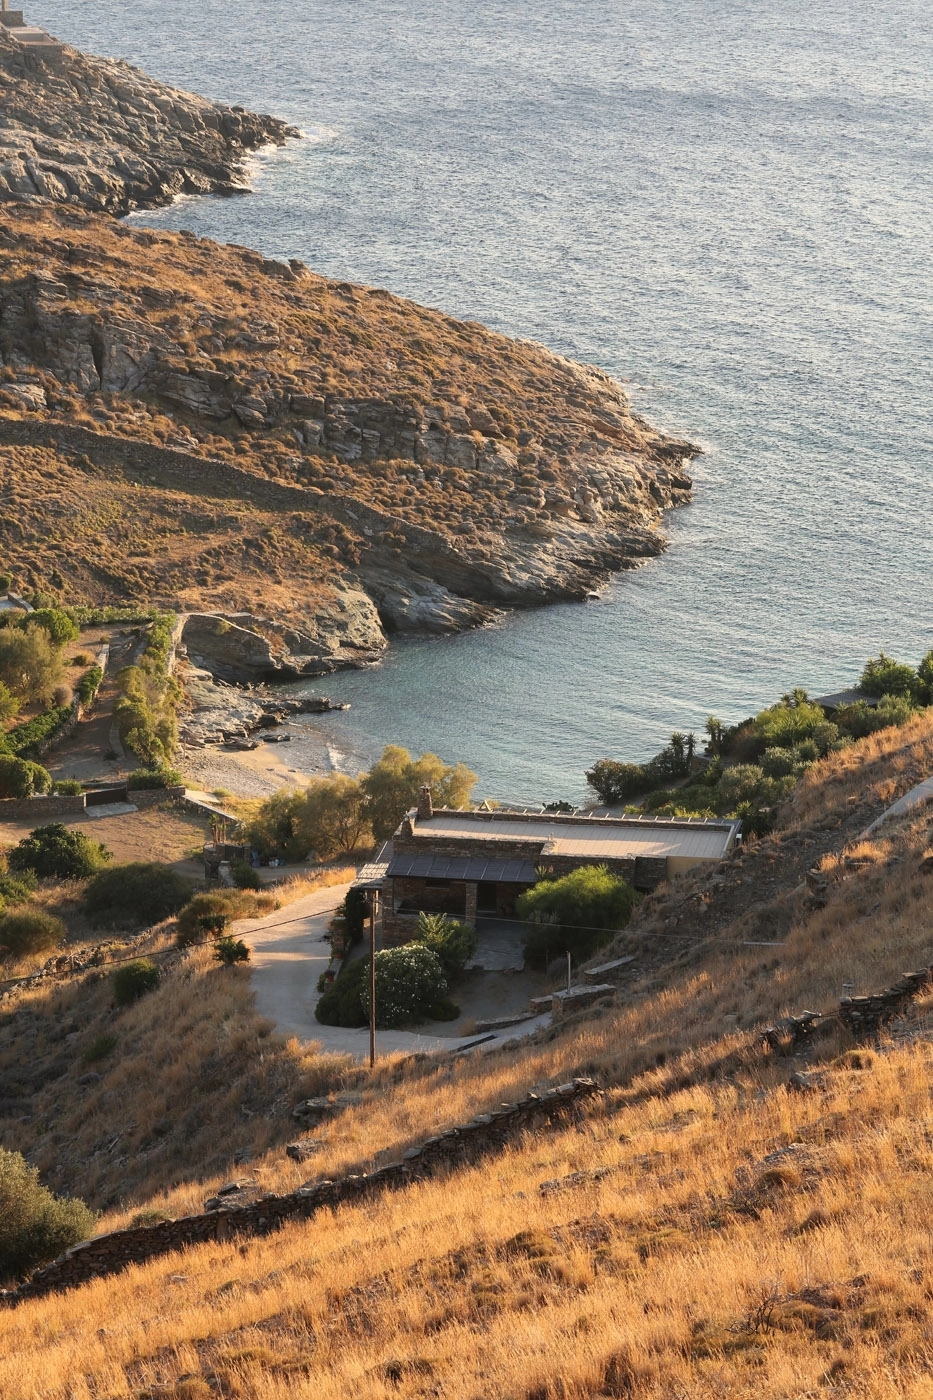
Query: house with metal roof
[{"x": 471, "y": 864}]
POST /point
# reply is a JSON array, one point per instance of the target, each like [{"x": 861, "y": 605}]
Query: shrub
[
  {"x": 885, "y": 676},
  {"x": 342, "y": 1004},
  {"x": 394, "y": 784},
  {"x": 26, "y": 738},
  {"x": 142, "y": 892},
  {"x": 861, "y": 719},
  {"x": 9, "y": 704},
  {"x": 244, "y": 876},
  {"x": 63, "y": 695},
  {"x": 615, "y": 782},
  {"x": 150, "y": 779},
  {"x": 231, "y": 950},
  {"x": 60, "y": 627},
  {"x": 19, "y": 777},
  {"x": 410, "y": 981},
  {"x": 30, "y": 663},
  {"x": 355, "y": 911},
  {"x": 794, "y": 718},
  {"x": 30, "y": 931},
  {"x": 89, "y": 684},
  {"x": 924, "y": 690},
  {"x": 133, "y": 980},
  {"x": 99, "y": 1048},
  {"x": 576, "y": 913},
  {"x": 453, "y": 942},
  {"x": 54, "y": 852},
  {"x": 6, "y": 583},
  {"x": 213, "y": 909},
  {"x": 18, "y": 889},
  {"x": 68, "y": 787},
  {"x": 145, "y": 713},
  {"x": 35, "y": 1225}
]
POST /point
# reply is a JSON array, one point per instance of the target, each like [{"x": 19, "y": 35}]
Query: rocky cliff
[
  {"x": 101, "y": 134},
  {"x": 212, "y": 430}
]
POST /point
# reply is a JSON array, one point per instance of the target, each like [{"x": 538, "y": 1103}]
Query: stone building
[{"x": 475, "y": 864}]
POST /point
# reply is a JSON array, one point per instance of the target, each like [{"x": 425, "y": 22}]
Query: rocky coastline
[
  {"x": 100, "y": 134},
  {"x": 302, "y": 467}
]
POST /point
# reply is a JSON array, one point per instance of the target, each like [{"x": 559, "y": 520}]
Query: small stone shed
[{"x": 475, "y": 864}]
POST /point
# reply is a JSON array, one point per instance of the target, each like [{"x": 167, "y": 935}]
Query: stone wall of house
[{"x": 110, "y": 1254}]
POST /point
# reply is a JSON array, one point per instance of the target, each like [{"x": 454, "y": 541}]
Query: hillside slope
[
  {"x": 712, "y": 1226},
  {"x": 442, "y": 470}
]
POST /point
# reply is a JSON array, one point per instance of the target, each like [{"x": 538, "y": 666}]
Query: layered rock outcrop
[{"x": 101, "y": 134}]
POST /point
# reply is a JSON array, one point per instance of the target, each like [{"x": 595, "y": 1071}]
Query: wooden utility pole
[{"x": 372, "y": 897}]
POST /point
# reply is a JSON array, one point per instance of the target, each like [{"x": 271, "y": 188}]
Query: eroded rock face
[
  {"x": 343, "y": 630},
  {"x": 99, "y": 133}
]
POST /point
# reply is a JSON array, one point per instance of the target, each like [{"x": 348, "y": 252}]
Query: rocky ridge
[{"x": 99, "y": 133}]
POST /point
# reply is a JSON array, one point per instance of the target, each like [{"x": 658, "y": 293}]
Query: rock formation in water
[
  {"x": 314, "y": 462},
  {"x": 101, "y": 134}
]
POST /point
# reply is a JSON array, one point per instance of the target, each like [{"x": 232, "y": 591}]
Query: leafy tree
[
  {"x": 332, "y": 817},
  {"x": 575, "y": 913},
  {"x": 861, "y": 719},
  {"x": 59, "y": 625},
  {"x": 615, "y": 782},
  {"x": 10, "y": 705},
  {"x": 885, "y": 676},
  {"x": 925, "y": 680},
  {"x": 453, "y": 942},
  {"x": 30, "y": 663},
  {"x": 355, "y": 910},
  {"x": 747, "y": 782},
  {"x": 133, "y": 980},
  {"x": 275, "y": 828},
  {"x": 393, "y": 786},
  {"x": 35, "y": 1225},
  {"x": 19, "y": 777},
  {"x": 715, "y": 731},
  {"x": 30, "y": 931},
  {"x": 410, "y": 986},
  {"x": 54, "y": 852},
  {"x": 142, "y": 892},
  {"x": 145, "y": 713}
]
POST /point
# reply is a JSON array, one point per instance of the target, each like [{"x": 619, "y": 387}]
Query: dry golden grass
[
  {"x": 878, "y": 769},
  {"x": 702, "y": 1232}
]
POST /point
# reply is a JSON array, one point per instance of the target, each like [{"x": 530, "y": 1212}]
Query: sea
[{"x": 729, "y": 207}]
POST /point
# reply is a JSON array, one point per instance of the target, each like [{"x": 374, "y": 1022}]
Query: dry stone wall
[{"x": 110, "y": 1254}]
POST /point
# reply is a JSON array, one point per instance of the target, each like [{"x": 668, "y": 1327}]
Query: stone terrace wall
[{"x": 110, "y": 1254}]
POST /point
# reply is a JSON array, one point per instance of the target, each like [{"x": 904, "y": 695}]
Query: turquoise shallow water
[{"x": 727, "y": 206}]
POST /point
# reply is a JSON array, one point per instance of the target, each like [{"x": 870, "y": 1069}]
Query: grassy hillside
[{"x": 706, "y": 1229}]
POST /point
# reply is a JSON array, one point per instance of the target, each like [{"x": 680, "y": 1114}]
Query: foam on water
[{"x": 729, "y": 204}]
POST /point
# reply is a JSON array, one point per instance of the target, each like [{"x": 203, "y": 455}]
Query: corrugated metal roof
[{"x": 478, "y": 868}]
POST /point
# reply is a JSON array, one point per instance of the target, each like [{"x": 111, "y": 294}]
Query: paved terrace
[{"x": 596, "y": 838}]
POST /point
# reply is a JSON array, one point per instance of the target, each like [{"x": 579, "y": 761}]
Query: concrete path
[
  {"x": 918, "y": 796},
  {"x": 289, "y": 953}
]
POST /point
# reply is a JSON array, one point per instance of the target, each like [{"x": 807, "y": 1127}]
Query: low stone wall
[
  {"x": 110, "y": 1254},
  {"x": 42, "y": 809},
  {"x": 865, "y": 1015}
]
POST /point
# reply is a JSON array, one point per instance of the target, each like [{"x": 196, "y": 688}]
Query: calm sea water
[{"x": 728, "y": 206}]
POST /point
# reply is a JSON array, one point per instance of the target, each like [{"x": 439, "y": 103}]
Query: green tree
[
  {"x": 59, "y": 625},
  {"x": 393, "y": 786},
  {"x": 332, "y": 817},
  {"x": 229, "y": 950},
  {"x": 885, "y": 676},
  {"x": 30, "y": 663},
  {"x": 35, "y": 1225},
  {"x": 925, "y": 680},
  {"x": 715, "y": 731},
  {"x": 10, "y": 706},
  {"x": 575, "y": 913},
  {"x": 54, "y": 852}
]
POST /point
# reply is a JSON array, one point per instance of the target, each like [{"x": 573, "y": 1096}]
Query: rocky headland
[
  {"x": 303, "y": 465},
  {"x": 100, "y": 134}
]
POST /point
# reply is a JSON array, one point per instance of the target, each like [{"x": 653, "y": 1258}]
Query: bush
[
  {"x": 68, "y": 787},
  {"x": 230, "y": 951},
  {"x": 30, "y": 931},
  {"x": 142, "y": 892},
  {"x": 885, "y": 676},
  {"x": 410, "y": 982},
  {"x": 60, "y": 627},
  {"x": 54, "y": 852},
  {"x": 453, "y": 942},
  {"x": 17, "y": 889},
  {"x": 576, "y": 913},
  {"x": 133, "y": 980},
  {"x": 35, "y": 1225},
  {"x": 30, "y": 663},
  {"x": 244, "y": 876},
  {"x": 355, "y": 911},
  {"x": 99, "y": 1048},
  {"x": 26, "y": 738},
  {"x": 793, "y": 719},
  {"x": 204, "y": 913},
  {"x": 89, "y": 685},
  {"x": 9, "y": 705},
  {"x": 860, "y": 719},
  {"x": 150, "y": 779},
  {"x": 342, "y": 1004},
  {"x": 19, "y": 777}
]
